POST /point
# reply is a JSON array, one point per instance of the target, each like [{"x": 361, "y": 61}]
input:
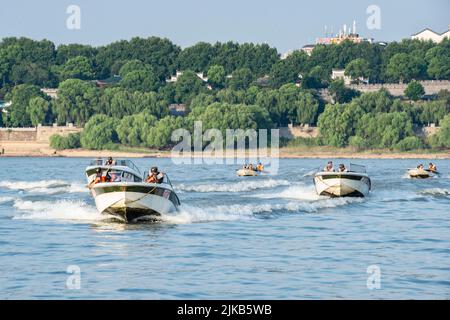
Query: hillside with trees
[{"x": 248, "y": 86}]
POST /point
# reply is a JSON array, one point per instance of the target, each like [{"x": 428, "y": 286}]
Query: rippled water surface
[{"x": 265, "y": 237}]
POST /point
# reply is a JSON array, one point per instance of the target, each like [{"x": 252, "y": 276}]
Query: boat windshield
[
  {"x": 118, "y": 176},
  {"x": 118, "y": 162}
]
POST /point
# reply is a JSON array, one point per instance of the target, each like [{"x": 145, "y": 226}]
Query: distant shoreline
[{"x": 284, "y": 153}]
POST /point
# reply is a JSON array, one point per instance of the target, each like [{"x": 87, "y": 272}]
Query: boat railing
[
  {"x": 117, "y": 162},
  {"x": 357, "y": 168}
]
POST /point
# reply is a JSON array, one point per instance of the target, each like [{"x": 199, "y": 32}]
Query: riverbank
[{"x": 35, "y": 149}]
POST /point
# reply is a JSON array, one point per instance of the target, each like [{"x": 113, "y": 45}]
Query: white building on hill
[{"x": 428, "y": 34}]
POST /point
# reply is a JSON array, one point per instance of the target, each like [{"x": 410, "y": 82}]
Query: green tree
[
  {"x": 438, "y": 60},
  {"x": 289, "y": 70},
  {"x": 240, "y": 79},
  {"x": 20, "y": 97},
  {"x": 160, "y": 134},
  {"x": 414, "y": 90},
  {"x": 99, "y": 133},
  {"x": 133, "y": 130},
  {"x": 216, "y": 76},
  {"x": 340, "y": 93},
  {"x": 77, "y": 101},
  {"x": 71, "y": 141},
  {"x": 187, "y": 87},
  {"x": 29, "y": 73},
  {"x": 338, "y": 122},
  {"x": 77, "y": 68},
  {"x": 140, "y": 80},
  {"x": 38, "y": 109},
  {"x": 133, "y": 65},
  {"x": 196, "y": 57},
  {"x": 307, "y": 108},
  {"x": 404, "y": 67},
  {"x": 384, "y": 130},
  {"x": 442, "y": 138},
  {"x": 358, "y": 68},
  {"x": 409, "y": 143}
]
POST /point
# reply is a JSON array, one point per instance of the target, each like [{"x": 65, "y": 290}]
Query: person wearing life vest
[
  {"x": 259, "y": 167},
  {"x": 432, "y": 167},
  {"x": 155, "y": 176},
  {"x": 329, "y": 167},
  {"x": 98, "y": 178}
]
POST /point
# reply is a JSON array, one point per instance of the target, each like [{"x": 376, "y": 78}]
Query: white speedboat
[
  {"x": 352, "y": 183},
  {"x": 124, "y": 194}
]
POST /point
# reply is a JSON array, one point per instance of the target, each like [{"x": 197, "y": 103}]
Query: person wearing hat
[{"x": 155, "y": 176}]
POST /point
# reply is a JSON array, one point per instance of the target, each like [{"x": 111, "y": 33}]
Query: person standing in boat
[
  {"x": 155, "y": 176},
  {"x": 109, "y": 162},
  {"x": 329, "y": 167}
]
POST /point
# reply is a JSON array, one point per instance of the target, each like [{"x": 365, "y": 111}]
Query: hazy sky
[{"x": 284, "y": 24}]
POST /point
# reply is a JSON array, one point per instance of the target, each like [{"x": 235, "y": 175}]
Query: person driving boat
[{"x": 155, "y": 176}]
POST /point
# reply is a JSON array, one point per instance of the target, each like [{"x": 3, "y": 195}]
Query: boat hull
[
  {"x": 419, "y": 174},
  {"x": 246, "y": 173},
  {"x": 133, "y": 202},
  {"x": 342, "y": 184}
]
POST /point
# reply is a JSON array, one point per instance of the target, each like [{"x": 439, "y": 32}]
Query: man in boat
[
  {"x": 99, "y": 178},
  {"x": 342, "y": 168},
  {"x": 329, "y": 167},
  {"x": 109, "y": 162},
  {"x": 155, "y": 176},
  {"x": 259, "y": 167},
  {"x": 420, "y": 167},
  {"x": 432, "y": 167}
]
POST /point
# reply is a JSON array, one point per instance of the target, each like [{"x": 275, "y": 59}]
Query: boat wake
[
  {"x": 45, "y": 186},
  {"x": 56, "y": 210},
  {"x": 298, "y": 192},
  {"x": 436, "y": 192},
  {"x": 241, "y": 186},
  {"x": 192, "y": 214}
]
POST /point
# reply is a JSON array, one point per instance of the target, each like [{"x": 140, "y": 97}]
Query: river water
[{"x": 265, "y": 237}]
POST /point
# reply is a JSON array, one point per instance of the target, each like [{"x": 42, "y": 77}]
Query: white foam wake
[
  {"x": 191, "y": 214},
  {"x": 62, "y": 209},
  {"x": 240, "y": 186},
  {"x": 6, "y": 199},
  {"x": 45, "y": 186},
  {"x": 436, "y": 192},
  {"x": 299, "y": 192}
]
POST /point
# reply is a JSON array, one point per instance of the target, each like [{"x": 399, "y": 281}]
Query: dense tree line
[
  {"x": 41, "y": 63},
  {"x": 248, "y": 86},
  {"x": 376, "y": 120}
]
